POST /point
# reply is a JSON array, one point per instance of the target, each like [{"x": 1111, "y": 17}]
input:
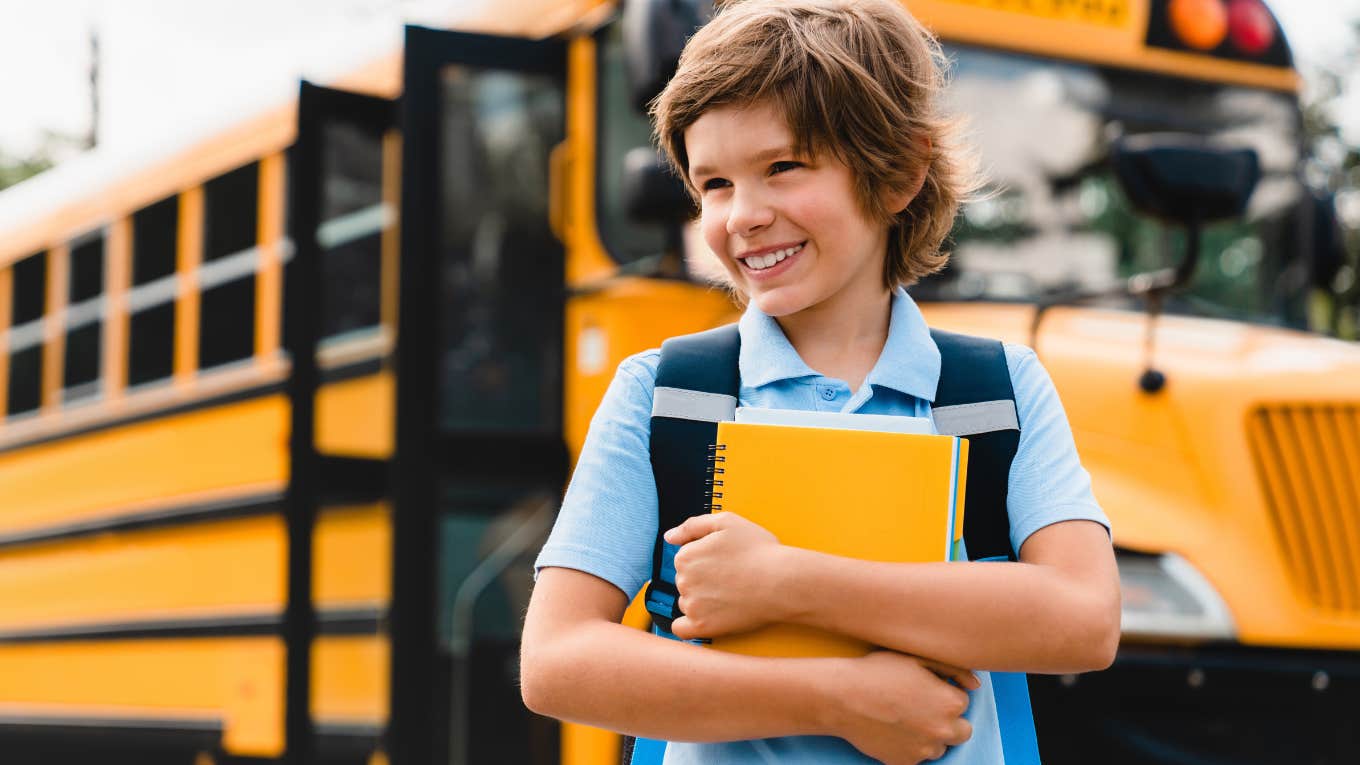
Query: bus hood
[{"x": 1246, "y": 464}]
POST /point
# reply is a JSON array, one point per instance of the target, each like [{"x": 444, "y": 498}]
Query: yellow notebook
[{"x": 855, "y": 493}]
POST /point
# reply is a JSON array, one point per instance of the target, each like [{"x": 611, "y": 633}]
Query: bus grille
[{"x": 1308, "y": 460}]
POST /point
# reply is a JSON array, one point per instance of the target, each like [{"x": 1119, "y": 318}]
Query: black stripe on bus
[
  {"x": 362, "y": 368},
  {"x": 152, "y": 738},
  {"x": 336, "y": 622},
  {"x": 236, "y": 507},
  {"x": 30, "y": 739}
]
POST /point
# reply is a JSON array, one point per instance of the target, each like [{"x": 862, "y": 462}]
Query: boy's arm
[
  {"x": 579, "y": 664},
  {"x": 1055, "y": 611}
]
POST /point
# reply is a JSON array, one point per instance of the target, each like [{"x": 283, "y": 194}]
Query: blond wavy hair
[{"x": 860, "y": 79}]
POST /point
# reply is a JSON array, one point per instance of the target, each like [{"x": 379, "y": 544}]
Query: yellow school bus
[{"x": 287, "y": 410}]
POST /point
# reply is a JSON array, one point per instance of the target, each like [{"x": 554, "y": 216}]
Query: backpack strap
[
  {"x": 696, "y": 388},
  {"x": 975, "y": 399}
]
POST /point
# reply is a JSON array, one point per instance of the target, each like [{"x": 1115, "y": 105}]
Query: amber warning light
[
  {"x": 1239, "y": 29},
  {"x": 1200, "y": 24}
]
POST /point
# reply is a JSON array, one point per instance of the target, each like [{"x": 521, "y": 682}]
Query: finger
[
  {"x": 961, "y": 677},
  {"x": 963, "y": 730},
  {"x": 694, "y": 528},
  {"x": 683, "y": 629}
]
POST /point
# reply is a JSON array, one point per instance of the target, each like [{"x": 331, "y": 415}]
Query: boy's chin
[{"x": 778, "y": 303}]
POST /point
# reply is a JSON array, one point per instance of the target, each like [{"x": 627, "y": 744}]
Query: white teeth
[{"x": 761, "y": 262}]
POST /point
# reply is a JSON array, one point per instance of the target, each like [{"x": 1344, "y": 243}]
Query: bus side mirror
[
  {"x": 654, "y": 34},
  {"x": 651, "y": 192},
  {"x": 1184, "y": 179}
]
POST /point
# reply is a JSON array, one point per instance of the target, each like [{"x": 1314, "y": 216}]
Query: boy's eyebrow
[{"x": 761, "y": 156}]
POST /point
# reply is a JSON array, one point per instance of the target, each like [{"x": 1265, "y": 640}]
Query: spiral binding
[{"x": 712, "y": 470}]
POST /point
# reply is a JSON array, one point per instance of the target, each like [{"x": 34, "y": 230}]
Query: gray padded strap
[
  {"x": 972, "y": 419},
  {"x": 680, "y": 404}
]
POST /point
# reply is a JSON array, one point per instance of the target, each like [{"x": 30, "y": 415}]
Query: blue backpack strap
[
  {"x": 975, "y": 399},
  {"x": 696, "y": 388}
]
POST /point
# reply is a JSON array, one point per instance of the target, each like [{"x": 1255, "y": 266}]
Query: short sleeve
[
  {"x": 1047, "y": 482},
  {"x": 607, "y": 525}
]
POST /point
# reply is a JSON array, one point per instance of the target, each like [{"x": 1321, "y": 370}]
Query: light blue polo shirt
[{"x": 608, "y": 520}]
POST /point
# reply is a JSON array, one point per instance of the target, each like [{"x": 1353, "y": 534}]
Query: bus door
[
  {"x": 340, "y": 313},
  {"x": 480, "y": 460}
]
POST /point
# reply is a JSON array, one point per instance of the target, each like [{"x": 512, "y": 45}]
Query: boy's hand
[
  {"x": 900, "y": 709},
  {"x": 726, "y": 572}
]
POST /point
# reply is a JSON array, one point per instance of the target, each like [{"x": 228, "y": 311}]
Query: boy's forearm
[
  {"x": 616, "y": 677},
  {"x": 986, "y": 616}
]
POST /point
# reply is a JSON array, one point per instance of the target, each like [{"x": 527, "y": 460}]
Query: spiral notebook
[{"x": 855, "y": 493}]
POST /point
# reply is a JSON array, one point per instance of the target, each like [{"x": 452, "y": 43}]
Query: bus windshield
[{"x": 1050, "y": 216}]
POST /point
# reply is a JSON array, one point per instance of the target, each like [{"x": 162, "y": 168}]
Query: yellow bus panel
[
  {"x": 349, "y": 680},
  {"x": 1107, "y": 32},
  {"x": 357, "y": 417},
  {"x": 217, "y": 569},
  {"x": 352, "y": 560},
  {"x": 238, "y": 681},
  {"x": 236, "y": 446}
]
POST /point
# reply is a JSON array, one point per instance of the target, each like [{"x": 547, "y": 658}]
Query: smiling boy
[{"x": 808, "y": 132}]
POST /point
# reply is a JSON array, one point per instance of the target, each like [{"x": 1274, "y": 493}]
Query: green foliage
[
  {"x": 1334, "y": 167},
  {"x": 14, "y": 169}
]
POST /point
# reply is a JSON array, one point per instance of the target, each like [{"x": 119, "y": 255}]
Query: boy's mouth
[{"x": 770, "y": 259}]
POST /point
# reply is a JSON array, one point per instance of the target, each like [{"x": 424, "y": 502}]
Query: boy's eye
[
  {"x": 714, "y": 183},
  {"x": 782, "y": 166}
]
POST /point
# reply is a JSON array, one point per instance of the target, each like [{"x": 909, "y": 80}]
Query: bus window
[
  {"x": 151, "y": 328},
  {"x": 226, "y": 331},
  {"x": 84, "y": 319},
  {"x": 353, "y": 217},
  {"x": 502, "y": 265},
  {"x": 26, "y": 335},
  {"x": 1053, "y": 216},
  {"x": 230, "y": 212}
]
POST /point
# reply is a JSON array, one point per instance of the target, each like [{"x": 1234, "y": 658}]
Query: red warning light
[
  {"x": 1251, "y": 27},
  {"x": 1200, "y": 24}
]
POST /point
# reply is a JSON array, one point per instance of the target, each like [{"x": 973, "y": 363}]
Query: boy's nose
[{"x": 749, "y": 213}]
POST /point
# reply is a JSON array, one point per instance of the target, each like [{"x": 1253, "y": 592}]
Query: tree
[{"x": 1334, "y": 170}]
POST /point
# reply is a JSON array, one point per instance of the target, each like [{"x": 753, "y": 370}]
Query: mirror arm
[
  {"x": 1151, "y": 286},
  {"x": 1156, "y": 287}
]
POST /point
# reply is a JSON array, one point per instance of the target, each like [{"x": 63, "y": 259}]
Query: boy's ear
[{"x": 897, "y": 200}]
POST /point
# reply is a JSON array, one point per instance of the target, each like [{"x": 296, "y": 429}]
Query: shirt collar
[{"x": 910, "y": 362}]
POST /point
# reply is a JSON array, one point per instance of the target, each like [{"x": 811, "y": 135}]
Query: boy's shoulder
[
  {"x": 642, "y": 367},
  {"x": 1021, "y": 359}
]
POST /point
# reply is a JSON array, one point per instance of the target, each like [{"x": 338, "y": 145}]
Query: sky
[{"x": 168, "y": 65}]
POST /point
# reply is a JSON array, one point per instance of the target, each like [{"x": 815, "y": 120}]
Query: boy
[{"x": 807, "y": 130}]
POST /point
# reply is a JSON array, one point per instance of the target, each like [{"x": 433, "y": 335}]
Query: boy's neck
[{"x": 841, "y": 339}]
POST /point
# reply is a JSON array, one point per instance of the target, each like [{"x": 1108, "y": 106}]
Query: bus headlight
[{"x": 1166, "y": 597}]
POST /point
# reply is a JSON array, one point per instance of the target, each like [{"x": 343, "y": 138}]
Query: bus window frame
[
  {"x": 317, "y": 107},
  {"x": 601, "y": 106}
]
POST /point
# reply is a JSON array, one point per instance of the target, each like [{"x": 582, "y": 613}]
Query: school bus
[{"x": 287, "y": 409}]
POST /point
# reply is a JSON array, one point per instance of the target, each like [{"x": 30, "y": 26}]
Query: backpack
[{"x": 696, "y": 387}]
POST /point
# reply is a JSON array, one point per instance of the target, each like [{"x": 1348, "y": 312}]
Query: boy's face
[{"x": 788, "y": 229}]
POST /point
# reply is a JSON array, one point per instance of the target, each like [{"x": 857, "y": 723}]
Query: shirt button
[{"x": 828, "y": 394}]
